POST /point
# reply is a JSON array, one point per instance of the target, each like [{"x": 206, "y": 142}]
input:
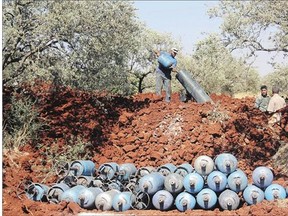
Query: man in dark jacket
[{"x": 163, "y": 74}]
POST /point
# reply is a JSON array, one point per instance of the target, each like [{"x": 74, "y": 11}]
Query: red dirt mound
[{"x": 143, "y": 130}]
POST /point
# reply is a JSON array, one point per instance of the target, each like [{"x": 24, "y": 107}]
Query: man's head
[
  {"x": 174, "y": 51},
  {"x": 275, "y": 90},
  {"x": 263, "y": 90}
]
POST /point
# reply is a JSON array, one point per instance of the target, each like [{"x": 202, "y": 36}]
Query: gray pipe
[{"x": 192, "y": 87}]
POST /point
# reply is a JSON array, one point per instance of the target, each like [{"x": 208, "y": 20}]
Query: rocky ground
[{"x": 143, "y": 130}]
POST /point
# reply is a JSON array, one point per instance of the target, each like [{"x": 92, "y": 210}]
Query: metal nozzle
[
  {"x": 172, "y": 182},
  {"x": 262, "y": 176},
  {"x": 205, "y": 197},
  {"x": 101, "y": 204},
  {"x": 227, "y": 163},
  {"x": 122, "y": 172},
  {"x": 161, "y": 200},
  {"x": 254, "y": 195},
  {"x": 184, "y": 203},
  {"x": 81, "y": 199},
  {"x": 217, "y": 180},
  {"x": 203, "y": 164},
  {"x": 229, "y": 202},
  {"x": 276, "y": 195},
  {"x": 106, "y": 170},
  {"x": 192, "y": 182},
  {"x": 238, "y": 181}
]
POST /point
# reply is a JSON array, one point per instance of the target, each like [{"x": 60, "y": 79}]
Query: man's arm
[
  {"x": 283, "y": 110},
  {"x": 173, "y": 66},
  {"x": 257, "y": 102},
  {"x": 270, "y": 107}
]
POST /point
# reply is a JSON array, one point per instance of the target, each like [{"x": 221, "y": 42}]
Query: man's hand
[
  {"x": 174, "y": 69},
  {"x": 156, "y": 52}
]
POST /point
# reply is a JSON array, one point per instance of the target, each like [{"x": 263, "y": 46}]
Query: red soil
[{"x": 143, "y": 130}]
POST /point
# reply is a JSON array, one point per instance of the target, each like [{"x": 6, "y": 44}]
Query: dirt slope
[{"x": 143, "y": 130}]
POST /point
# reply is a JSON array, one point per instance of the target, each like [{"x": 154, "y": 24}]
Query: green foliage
[
  {"x": 84, "y": 44},
  {"x": 254, "y": 25},
  {"x": 278, "y": 78},
  {"x": 101, "y": 45},
  {"x": 75, "y": 148},
  {"x": 217, "y": 71},
  {"x": 20, "y": 122},
  {"x": 56, "y": 156}
]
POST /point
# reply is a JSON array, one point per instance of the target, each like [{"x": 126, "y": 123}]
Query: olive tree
[
  {"x": 85, "y": 44},
  {"x": 217, "y": 71},
  {"x": 278, "y": 78},
  {"x": 254, "y": 26}
]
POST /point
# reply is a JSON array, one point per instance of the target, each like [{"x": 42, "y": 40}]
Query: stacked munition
[{"x": 120, "y": 187}]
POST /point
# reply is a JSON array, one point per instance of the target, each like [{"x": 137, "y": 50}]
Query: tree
[
  {"x": 278, "y": 78},
  {"x": 217, "y": 71},
  {"x": 254, "y": 26},
  {"x": 85, "y": 44}
]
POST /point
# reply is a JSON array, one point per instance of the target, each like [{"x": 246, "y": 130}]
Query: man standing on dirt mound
[
  {"x": 167, "y": 64},
  {"x": 263, "y": 100},
  {"x": 275, "y": 104}
]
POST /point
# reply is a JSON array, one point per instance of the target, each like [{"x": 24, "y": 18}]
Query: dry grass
[{"x": 244, "y": 94}]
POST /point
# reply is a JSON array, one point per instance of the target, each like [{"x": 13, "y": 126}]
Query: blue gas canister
[
  {"x": 151, "y": 183},
  {"x": 262, "y": 176},
  {"x": 84, "y": 180},
  {"x": 108, "y": 170},
  {"x": 237, "y": 181},
  {"x": 162, "y": 200},
  {"x": 185, "y": 201},
  {"x": 54, "y": 193},
  {"x": 193, "y": 183},
  {"x": 253, "y": 194},
  {"x": 37, "y": 191},
  {"x": 115, "y": 184},
  {"x": 226, "y": 163},
  {"x": 275, "y": 191},
  {"x": 104, "y": 201},
  {"x": 184, "y": 169},
  {"x": 145, "y": 170},
  {"x": 166, "y": 169},
  {"x": 71, "y": 195},
  {"x": 82, "y": 167},
  {"x": 217, "y": 181},
  {"x": 123, "y": 201},
  {"x": 206, "y": 198},
  {"x": 192, "y": 87},
  {"x": 166, "y": 60},
  {"x": 126, "y": 171}
]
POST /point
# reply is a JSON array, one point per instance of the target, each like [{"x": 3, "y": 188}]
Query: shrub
[
  {"x": 75, "y": 148},
  {"x": 20, "y": 122}
]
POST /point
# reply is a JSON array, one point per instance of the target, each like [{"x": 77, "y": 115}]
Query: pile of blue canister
[{"x": 205, "y": 185}]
